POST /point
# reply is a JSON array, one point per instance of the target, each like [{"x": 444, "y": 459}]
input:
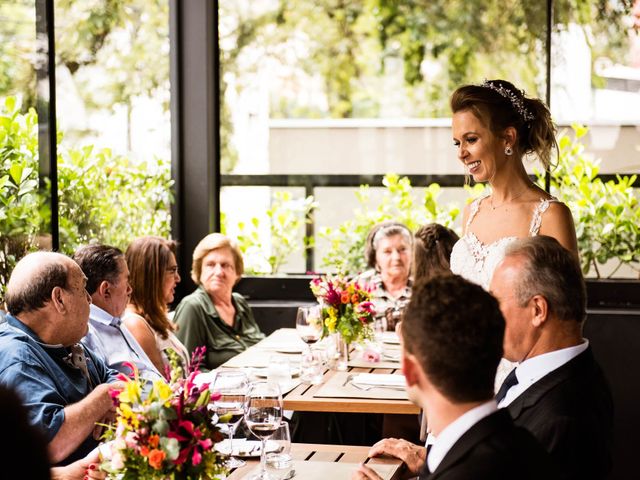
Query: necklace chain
[{"x": 518, "y": 195}]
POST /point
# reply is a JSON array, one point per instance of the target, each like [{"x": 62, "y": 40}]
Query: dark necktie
[{"x": 509, "y": 382}]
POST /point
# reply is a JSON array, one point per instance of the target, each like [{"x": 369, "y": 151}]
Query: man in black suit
[
  {"x": 450, "y": 356},
  {"x": 557, "y": 391}
]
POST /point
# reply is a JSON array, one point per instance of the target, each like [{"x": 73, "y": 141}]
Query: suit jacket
[
  {"x": 570, "y": 412},
  {"x": 494, "y": 449}
]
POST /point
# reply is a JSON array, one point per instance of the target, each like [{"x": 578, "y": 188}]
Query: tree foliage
[
  {"x": 102, "y": 197},
  {"x": 349, "y": 46}
]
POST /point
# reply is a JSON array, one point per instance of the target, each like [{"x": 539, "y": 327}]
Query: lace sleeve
[
  {"x": 536, "y": 220},
  {"x": 473, "y": 210}
]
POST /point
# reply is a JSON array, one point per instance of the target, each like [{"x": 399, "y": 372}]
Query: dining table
[
  {"x": 364, "y": 387},
  {"x": 319, "y": 462}
]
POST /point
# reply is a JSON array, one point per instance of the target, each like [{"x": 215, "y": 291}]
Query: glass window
[
  {"x": 24, "y": 204},
  {"x": 360, "y": 88},
  {"x": 112, "y": 82}
]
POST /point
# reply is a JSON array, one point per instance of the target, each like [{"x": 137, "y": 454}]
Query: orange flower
[
  {"x": 354, "y": 298},
  {"x": 154, "y": 441},
  {"x": 155, "y": 458},
  {"x": 344, "y": 297},
  {"x": 144, "y": 450}
]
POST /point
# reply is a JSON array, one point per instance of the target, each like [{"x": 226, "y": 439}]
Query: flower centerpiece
[
  {"x": 346, "y": 308},
  {"x": 165, "y": 433}
]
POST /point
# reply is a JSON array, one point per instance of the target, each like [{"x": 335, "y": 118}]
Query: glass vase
[{"x": 342, "y": 353}]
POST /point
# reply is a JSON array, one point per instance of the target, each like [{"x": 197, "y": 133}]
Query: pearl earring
[{"x": 508, "y": 150}]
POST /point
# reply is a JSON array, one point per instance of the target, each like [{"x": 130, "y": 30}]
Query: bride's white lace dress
[{"x": 476, "y": 261}]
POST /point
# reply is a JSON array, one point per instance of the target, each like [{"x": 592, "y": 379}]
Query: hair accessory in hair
[{"x": 516, "y": 102}]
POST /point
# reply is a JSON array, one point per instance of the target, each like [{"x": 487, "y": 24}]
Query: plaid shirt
[{"x": 384, "y": 303}]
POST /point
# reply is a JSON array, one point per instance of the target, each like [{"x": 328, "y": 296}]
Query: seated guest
[
  {"x": 213, "y": 315},
  {"x": 153, "y": 276},
  {"x": 108, "y": 284},
  {"x": 449, "y": 359},
  {"x": 432, "y": 245},
  {"x": 388, "y": 255},
  {"x": 557, "y": 392},
  {"x": 560, "y": 394},
  {"x": 19, "y": 437},
  {"x": 63, "y": 386}
]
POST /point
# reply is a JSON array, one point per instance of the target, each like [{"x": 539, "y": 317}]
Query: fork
[
  {"x": 348, "y": 380},
  {"x": 366, "y": 388}
]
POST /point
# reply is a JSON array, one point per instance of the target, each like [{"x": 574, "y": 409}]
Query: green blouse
[{"x": 199, "y": 324}]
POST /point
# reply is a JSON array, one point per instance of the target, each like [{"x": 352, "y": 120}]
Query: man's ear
[
  {"x": 56, "y": 299},
  {"x": 410, "y": 369},
  {"x": 540, "y": 310},
  {"x": 104, "y": 289}
]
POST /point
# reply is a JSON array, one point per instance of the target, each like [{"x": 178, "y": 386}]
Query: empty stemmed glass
[
  {"x": 233, "y": 387},
  {"x": 262, "y": 415},
  {"x": 309, "y": 324}
]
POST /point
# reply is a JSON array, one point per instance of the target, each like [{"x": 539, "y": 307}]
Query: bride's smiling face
[{"x": 480, "y": 151}]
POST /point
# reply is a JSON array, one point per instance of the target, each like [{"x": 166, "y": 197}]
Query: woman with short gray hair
[{"x": 388, "y": 254}]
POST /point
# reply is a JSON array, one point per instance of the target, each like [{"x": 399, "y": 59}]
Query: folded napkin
[
  {"x": 379, "y": 380},
  {"x": 206, "y": 377}
]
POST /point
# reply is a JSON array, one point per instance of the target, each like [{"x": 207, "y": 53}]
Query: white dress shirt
[
  {"x": 110, "y": 340},
  {"x": 452, "y": 432},
  {"x": 533, "y": 369}
]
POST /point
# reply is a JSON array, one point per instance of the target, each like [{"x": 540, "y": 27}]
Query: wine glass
[
  {"x": 309, "y": 324},
  {"x": 233, "y": 387},
  {"x": 263, "y": 413}
]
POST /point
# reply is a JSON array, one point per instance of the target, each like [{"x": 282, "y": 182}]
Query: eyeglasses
[{"x": 172, "y": 270}]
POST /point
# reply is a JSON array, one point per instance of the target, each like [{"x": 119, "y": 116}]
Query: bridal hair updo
[
  {"x": 432, "y": 247},
  {"x": 498, "y": 104}
]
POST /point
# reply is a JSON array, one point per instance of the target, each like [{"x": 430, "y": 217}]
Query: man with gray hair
[
  {"x": 108, "y": 284},
  {"x": 557, "y": 392},
  {"x": 64, "y": 387}
]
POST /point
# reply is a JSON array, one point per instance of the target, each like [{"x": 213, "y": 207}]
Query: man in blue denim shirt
[{"x": 64, "y": 387}]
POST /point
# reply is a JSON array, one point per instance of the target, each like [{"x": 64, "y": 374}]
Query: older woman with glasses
[
  {"x": 153, "y": 275},
  {"x": 213, "y": 316},
  {"x": 388, "y": 255}
]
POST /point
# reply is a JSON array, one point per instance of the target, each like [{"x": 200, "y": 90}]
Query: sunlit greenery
[{"x": 101, "y": 196}]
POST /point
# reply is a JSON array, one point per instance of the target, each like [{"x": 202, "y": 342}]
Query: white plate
[
  {"x": 244, "y": 448},
  {"x": 391, "y": 338},
  {"x": 264, "y": 372},
  {"x": 288, "y": 349}
]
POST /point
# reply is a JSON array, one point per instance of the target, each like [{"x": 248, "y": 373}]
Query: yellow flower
[
  {"x": 162, "y": 391},
  {"x": 128, "y": 416},
  {"x": 331, "y": 321},
  {"x": 131, "y": 393}
]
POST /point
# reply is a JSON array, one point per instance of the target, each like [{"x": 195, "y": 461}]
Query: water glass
[
  {"x": 279, "y": 370},
  {"x": 312, "y": 366},
  {"x": 279, "y": 463}
]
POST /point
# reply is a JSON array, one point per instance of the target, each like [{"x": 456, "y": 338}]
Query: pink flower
[
  {"x": 371, "y": 355},
  {"x": 196, "y": 458},
  {"x": 131, "y": 439}
]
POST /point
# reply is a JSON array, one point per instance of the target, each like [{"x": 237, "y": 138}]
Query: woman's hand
[{"x": 83, "y": 469}]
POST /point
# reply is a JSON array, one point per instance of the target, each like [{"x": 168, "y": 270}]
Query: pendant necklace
[{"x": 518, "y": 195}]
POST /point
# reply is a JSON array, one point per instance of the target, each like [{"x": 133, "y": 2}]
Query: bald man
[{"x": 63, "y": 386}]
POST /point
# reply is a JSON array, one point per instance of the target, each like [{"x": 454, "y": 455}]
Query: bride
[{"x": 494, "y": 127}]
